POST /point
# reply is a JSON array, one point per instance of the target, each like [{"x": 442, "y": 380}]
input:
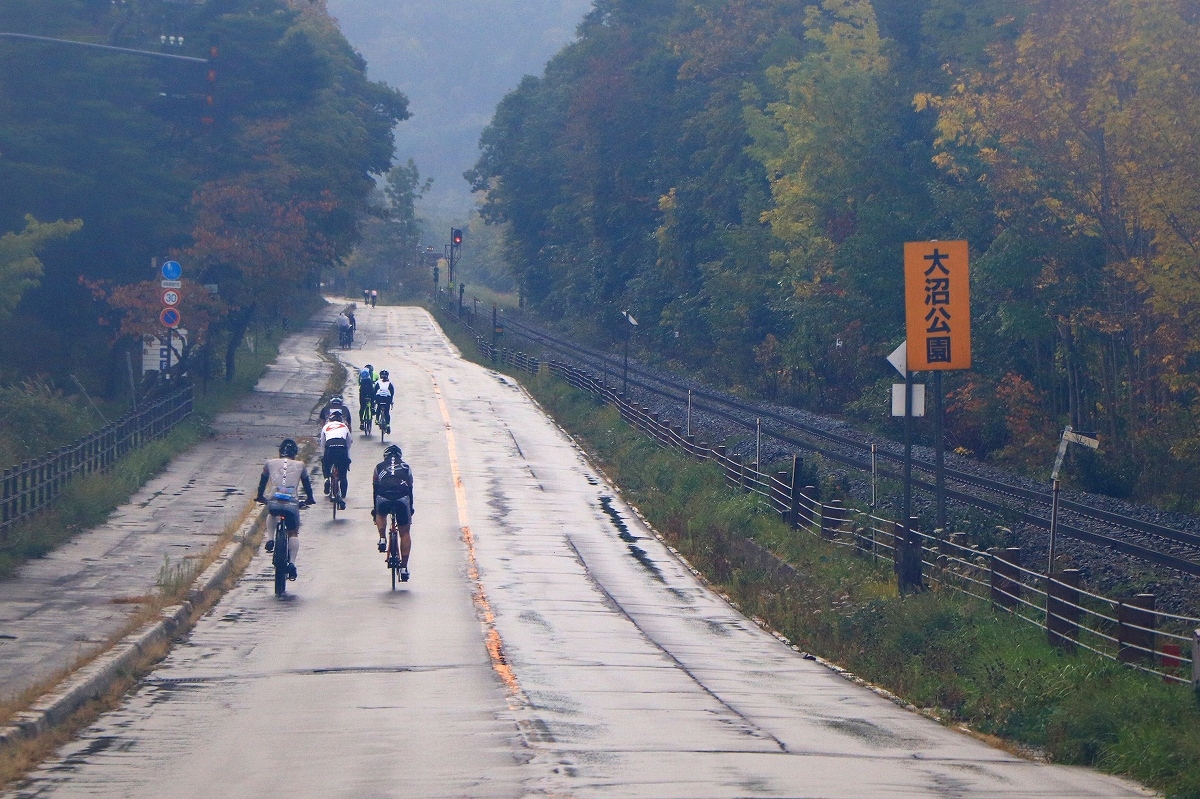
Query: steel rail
[{"x": 1136, "y": 525}]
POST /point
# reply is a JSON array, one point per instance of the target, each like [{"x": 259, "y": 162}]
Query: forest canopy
[
  {"x": 742, "y": 175},
  {"x": 252, "y": 167}
]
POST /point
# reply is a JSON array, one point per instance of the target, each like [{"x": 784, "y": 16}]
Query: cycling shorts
[
  {"x": 385, "y": 506},
  {"x": 290, "y": 512}
]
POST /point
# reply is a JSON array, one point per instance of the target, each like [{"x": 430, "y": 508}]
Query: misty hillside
[{"x": 455, "y": 60}]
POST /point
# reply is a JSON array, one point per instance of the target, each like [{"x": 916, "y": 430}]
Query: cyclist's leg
[
  {"x": 325, "y": 464},
  {"x": 381, "y": 518},
  {"x": 269, "y": 536},
  {"x": 405, "y": 543},
  {"x": 344, "y": 466}
]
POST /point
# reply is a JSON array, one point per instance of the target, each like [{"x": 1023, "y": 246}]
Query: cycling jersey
[{"x": 385, "y": 391}]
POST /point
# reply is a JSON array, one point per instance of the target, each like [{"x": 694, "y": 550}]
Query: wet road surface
[{"x": 547, "y": 645}]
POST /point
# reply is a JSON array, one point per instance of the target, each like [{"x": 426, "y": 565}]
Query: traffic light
[{"x": 456, "y": 236}]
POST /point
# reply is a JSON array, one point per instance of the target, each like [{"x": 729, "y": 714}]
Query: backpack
[
  {"x": 393, "y": 480},
  {"x": 364, "y": 376}
]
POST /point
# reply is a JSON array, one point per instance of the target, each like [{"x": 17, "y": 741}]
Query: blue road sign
[
  {"x": 171, "y": 270},
  {"x": 169, "y": 317}
]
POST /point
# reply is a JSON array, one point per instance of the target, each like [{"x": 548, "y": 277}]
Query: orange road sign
[{"x": 937, "y": 304}]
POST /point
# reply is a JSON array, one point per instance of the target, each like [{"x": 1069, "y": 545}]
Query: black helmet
[
  {"x": 392, "y": 451},
  {"x": 288, "y": 448},
  {"x": 336, "y": 400},
  {"x": 383, "y": 374},
  {"x": 335, "y": 415}
]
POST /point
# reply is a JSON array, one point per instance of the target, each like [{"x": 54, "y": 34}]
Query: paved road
[
  {"x": 63, "y": 606},
  {"x": 547, "y": 645}
]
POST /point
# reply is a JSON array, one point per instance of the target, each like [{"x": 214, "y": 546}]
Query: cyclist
[
  {"x": 366, "y": 395},
  {"x": 343, "y": 325},
  {"x": 335, "y": 443},
  {"x": 392, "y": 492},
  {"x": 366, "y": 297},
  {"x": 385, "y": 394},
  {"x": 374, "y": 297},
  {"x": 336, "y": 403},
  {"x": 286, "y": 476},
  {"x": 353, "y": 323}
]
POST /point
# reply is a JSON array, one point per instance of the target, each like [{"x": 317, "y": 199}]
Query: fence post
[
  {"x": 1135, "y": 644},
  {"x": 781, "y": 497},
  {"x": 5, "y": 514},
  {"x": 1004, "y": 588},
  {"x": 1196, "y": 658},
  {"x": 832, "y": 517},
  {"x": 794, "y": 494},
  {"x": 1062, "y": 609}
]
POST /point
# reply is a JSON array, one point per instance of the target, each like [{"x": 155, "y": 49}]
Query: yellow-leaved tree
[{"x": 1086, "y": 130}]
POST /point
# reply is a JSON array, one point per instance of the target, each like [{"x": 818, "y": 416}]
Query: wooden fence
[{"x": 32, "y": 485}]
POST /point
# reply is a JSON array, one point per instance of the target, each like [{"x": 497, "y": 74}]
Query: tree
[{"x": 20, "y": 269}]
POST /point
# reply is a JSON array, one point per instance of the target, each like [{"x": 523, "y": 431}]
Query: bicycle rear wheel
[
  {"x": 394, "y": 553},
  {"x": 279, "y": 558}
]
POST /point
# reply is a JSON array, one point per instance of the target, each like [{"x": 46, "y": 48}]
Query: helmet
[
  {"x": 383, "y": 374},
  {"x": 392, "y": 451},
  {"x": 288, "y": 448},
  {"x": 369, "y": 368},
  {"x": 335, "y": 416},
  {"x": 336, "y": 401}
]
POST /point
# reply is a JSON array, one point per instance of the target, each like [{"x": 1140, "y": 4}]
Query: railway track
[{"x": 1156, "y": 543}]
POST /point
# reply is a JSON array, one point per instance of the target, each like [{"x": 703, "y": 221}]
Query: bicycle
[
  {"x": 344, "y": 338},
  {"x": 383, "y": 418},
  {"x": 335, "y": 488},
  {"x": 393, "y": 551},
  {"x": 279, "y": 553},
  {"x": 366, "y": 416}
]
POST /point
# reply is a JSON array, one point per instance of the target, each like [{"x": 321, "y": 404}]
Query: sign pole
[
  {"x": 940, "y": 449},
  {"x": 908, "y": 408}
]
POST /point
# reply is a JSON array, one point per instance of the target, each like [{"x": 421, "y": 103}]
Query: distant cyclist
[
  {"x": 392, "y": 492},
  {"x": 366, "y": 297},
  {"x": 343, "y": 326},
  {"x": 374, "y": 297},
  {"x": 353, "y": 323},
  {"x": 335, "y": 444},
  {"x": 385, "y": 395},
  {"x": 336, "y": 403},
  {"x": 366, "y": 395},
  {"x": 286, "y": 476}
]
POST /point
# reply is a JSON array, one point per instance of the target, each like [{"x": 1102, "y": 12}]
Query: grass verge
[{"x": 952, "y": 656}]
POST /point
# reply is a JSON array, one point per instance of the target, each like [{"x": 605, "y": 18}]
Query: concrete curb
[{"x": 93, "y": 681}]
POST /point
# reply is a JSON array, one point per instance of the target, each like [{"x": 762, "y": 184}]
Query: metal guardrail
[{"x": 29, "y": 487}]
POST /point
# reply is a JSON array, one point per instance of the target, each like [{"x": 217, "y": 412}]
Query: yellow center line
[{"x": 495, "y": 646}]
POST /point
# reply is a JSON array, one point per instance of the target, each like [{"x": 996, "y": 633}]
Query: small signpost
[
  {"x": 1069, "y": 436},
  {"x": 172, "y": 274},
  {"x": 937, "y": 306}
]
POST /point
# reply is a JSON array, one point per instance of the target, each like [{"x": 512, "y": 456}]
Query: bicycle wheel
[
  {"x": 382, "y": 425},
  {"x": 394, "y": 553},
  {"x": 279, "y": 558},
  {"x": 335, "y": 488}
]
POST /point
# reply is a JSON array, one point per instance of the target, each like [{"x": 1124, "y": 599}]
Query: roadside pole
[{"x": 937, "y": 311}]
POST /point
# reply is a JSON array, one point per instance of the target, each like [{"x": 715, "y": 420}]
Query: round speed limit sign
[{"x": 170, "y": 298}]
